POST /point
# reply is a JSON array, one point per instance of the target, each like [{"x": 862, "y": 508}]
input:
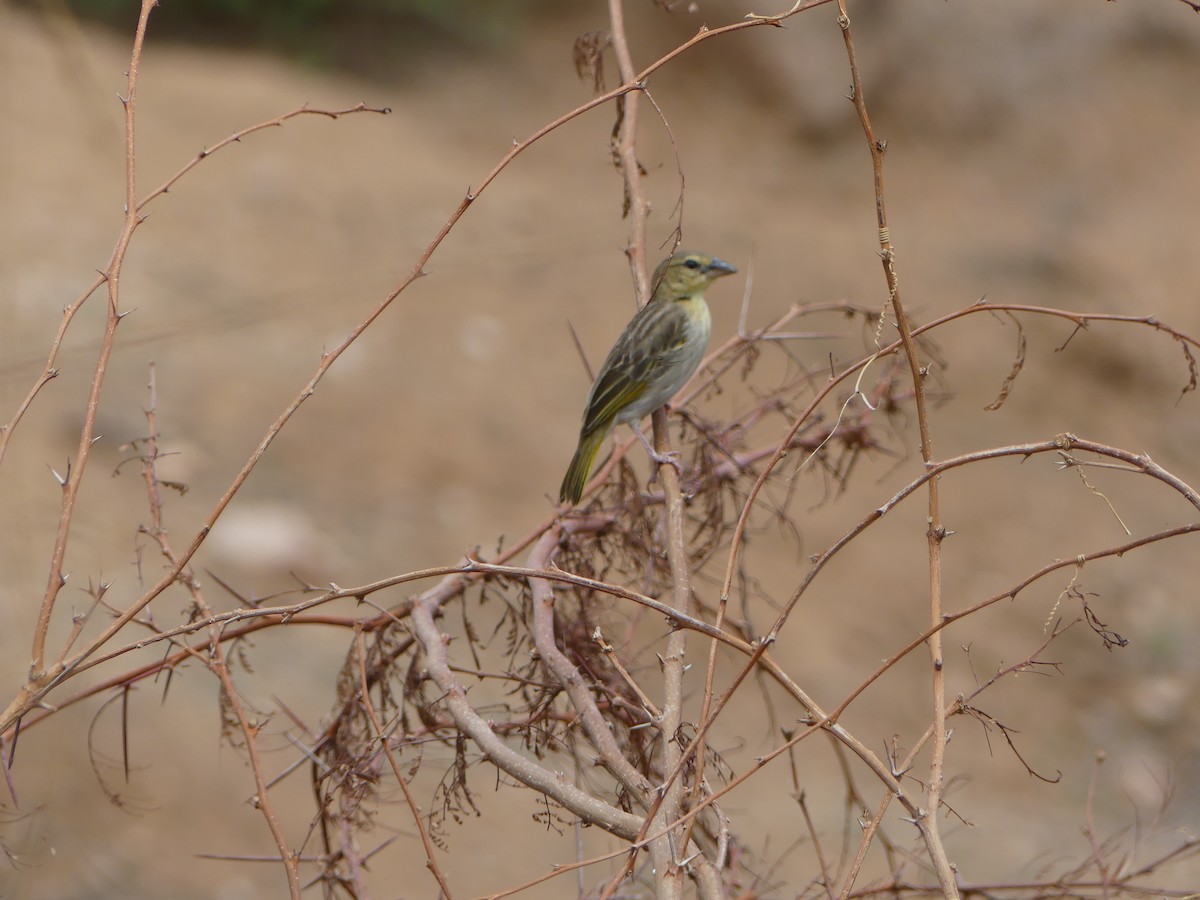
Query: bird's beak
[{"x": 719, "y": 267}]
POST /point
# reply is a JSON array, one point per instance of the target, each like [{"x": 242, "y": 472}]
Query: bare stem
[
  {"x": 72, "y": 478},
  {"x": 927, "y": 818},
  {"x": 418, "y": 819},
  {"x": 591, "y": 809},
  {"x": 216, "y": 659},
  {"x": 31, "y": 693},
  {"x": 668, "y": 872}
]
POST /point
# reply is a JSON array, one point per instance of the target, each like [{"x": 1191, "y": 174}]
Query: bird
[{"x": 657, "y": 353}]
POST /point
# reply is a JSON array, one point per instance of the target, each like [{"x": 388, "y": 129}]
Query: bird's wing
[{"x": 658, "y": 328}]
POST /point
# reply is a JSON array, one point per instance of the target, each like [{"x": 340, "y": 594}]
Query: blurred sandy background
[{"x": 1038, "y": 153}]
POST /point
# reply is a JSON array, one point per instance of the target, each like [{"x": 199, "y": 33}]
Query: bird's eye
[{"x": 692, "y": 264}]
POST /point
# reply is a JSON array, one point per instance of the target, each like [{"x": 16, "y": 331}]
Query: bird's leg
[{"x": 670, "y": 458}]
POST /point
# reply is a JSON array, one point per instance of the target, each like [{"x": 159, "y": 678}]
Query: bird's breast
[{"x": 677, "y": 364}]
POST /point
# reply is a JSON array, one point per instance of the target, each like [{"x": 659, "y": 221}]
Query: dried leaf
[
  {"x": 1191, "y": 365},
  {"x": 588, "y": 54},
  {"x": 1017, "y": 366}
]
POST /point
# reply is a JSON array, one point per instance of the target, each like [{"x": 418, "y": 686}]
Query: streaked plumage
[{"x": 654, "y": 357}]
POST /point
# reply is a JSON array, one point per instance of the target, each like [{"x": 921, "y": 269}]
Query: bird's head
[{"x": 686, "y": 274}]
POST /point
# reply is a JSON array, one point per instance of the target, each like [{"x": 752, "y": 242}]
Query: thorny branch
[
  {"x": 41, "y": 681},
  {"x": 927, "y": 817},
  {"x": 669, "y": 849},
  {"x": 655, "y": 758}
]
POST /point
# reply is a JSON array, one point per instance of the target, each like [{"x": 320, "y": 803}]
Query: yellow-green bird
[{"x": 654, "y": 357}]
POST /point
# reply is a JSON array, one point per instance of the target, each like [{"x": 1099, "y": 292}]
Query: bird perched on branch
[{"x": 654, "y": 357}]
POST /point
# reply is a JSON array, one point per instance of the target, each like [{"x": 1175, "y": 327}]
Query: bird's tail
[{"x": 581, "y": 466}]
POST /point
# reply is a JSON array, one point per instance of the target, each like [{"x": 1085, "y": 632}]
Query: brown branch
[
  {"x": 217, "y": 659},
  {"x": 418, "y": 819},
  {"x": 836, "y": 380},
  {"x": 625, "y": 154},
  {"x": 224, "y": 627},
  {"x": 927, "y": 818},
  {"x": 1137, "y": 463},
  {"x": 559, "y": 869},
  {"x": 667, "y": 869},
  {"x": 456, "y": 577},
  {"x": 1051, "y": 887},
  {"x": 1010, "y": 593},
  {"x": 31, "y": 693},
  {"x": 237, "y": 136},
  {"x": 448, "y": 587},
  {"x": 572, "y": 681},
  {"x": 591, "y": 809},
  {"x": 815, "y": 838},
  {"x": 829, "y": 720},
  {"x": 71, "y": 480},
  {"x": 261, "y": 800}
]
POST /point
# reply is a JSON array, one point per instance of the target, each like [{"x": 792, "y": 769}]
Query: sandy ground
[{"x": 1037, "y": 155}]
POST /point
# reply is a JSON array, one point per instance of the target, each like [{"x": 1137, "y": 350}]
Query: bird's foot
[{"x": 670, "y": 458}]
